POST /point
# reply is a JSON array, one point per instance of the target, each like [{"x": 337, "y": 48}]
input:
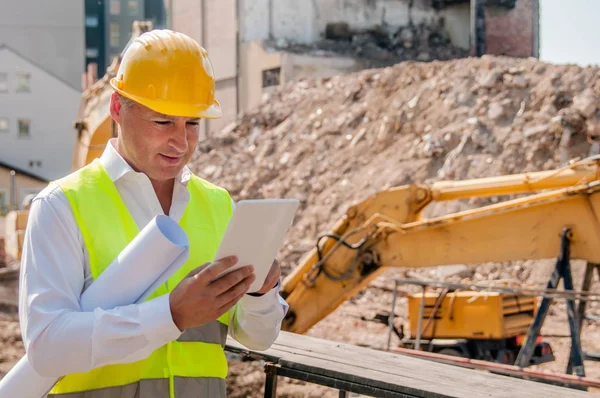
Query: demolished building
[{"x": 260, "y": 44}]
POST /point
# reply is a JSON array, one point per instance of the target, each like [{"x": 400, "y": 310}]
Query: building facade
[
  {"x": 213, "y": 24},
  {"x": 95, "y": 41},
  {"x": 514, "y": 31},
  {"x": 37, "y": 109},
  {"x": 108, "y": 26},
  {"x": 239, "y": 37},
  {"x": 15, "y": 186},
  {"x": 49, "y": 33}
]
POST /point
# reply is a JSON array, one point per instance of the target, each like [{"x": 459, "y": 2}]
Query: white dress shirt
[{"x": 61, "y": 339}]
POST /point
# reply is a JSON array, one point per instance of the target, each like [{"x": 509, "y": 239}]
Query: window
[
  {"x": 270, "y": 77},
  {"x": 3, "y": 124},
  {"x": 3, "y": 83},
  {"x": 33, "y": 163},
  {"x": 24, "y": 128},
  {"x": 132, "y": 7},
  {"x": 91, "y": 21},
  {"x": 23, "y": 82},
  {"x": 3, "y": 199},
  {"x": 91, "y": 52},
  {"x": 115, "y": 7},
  {"x": 114, "y": 34}
]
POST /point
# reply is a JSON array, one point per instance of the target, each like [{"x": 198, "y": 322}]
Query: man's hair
[{"x": 125, "y": 102}]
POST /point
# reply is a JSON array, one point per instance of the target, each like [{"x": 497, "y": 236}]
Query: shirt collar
[{"x": 118, "y": 168}]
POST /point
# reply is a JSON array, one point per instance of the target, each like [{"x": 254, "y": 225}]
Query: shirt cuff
[
  {"x": 157, "y": 322},
  {"x": 260, "y": 303}
]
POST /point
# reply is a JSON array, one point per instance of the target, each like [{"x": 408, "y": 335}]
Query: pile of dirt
[{"x": 332, "y": 142}]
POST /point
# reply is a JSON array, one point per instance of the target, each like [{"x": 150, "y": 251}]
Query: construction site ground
[{"x": 332, "y": 142}]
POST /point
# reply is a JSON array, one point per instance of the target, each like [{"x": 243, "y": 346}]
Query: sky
[{"x": 570, "y": 31}]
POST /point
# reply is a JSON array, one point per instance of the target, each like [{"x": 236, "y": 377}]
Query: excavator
[{"x": 389, "y": 230}]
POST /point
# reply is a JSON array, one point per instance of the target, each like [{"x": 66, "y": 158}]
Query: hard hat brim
[{"x": 173, "y": 109}]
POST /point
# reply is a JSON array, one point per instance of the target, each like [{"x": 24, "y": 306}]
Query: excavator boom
[{"x": 388, "y": 230}]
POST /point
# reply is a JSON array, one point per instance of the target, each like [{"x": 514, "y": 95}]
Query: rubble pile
[
  {"x": 335, "y": 141},
  {"x": 331, "y": 142},
  {"x": 383, "y": 45}
]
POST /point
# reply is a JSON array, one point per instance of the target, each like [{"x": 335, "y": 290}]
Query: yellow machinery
[
  {"x": 488, "y": 326},
  {"x": 388, "y": 230},
  {"x": 472, "y": 315}
]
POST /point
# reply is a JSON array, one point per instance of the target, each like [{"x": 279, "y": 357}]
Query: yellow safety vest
[{"x": 195, "y": 364}]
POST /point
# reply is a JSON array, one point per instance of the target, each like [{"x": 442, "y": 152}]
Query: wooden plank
[
  {"x": 419, "y": 379},
  {"x": 271, "y": 355},
  {"x": 396, "y": 372},
  {"x": 363, "y": 389},
  {"x": 355, "y": 374}
]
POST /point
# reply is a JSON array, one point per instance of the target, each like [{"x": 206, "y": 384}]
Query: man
[{"x": 172, "y": 344}]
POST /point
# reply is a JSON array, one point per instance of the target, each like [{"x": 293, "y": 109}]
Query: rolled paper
[{"x": 148, "y": 261}]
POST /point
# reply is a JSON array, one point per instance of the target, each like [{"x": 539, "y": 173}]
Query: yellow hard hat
[{"x": 169, "y": 73}]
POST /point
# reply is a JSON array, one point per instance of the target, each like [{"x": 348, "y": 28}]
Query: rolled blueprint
[{"x": 148, "y": 261}]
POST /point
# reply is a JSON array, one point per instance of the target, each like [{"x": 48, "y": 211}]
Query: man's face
[{"x": 155, "y": 144}]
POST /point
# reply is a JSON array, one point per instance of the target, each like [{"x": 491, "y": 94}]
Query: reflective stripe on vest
[
  {"x": 214, "y": 332},
  {"x": 184, "y": 387},
  {"x": 196, "y": 360}
]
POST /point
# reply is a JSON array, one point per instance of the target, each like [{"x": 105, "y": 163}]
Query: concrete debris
[
  {"x": 517, "y": 81},
  {"x": 461, "y": 271},
  {"x": 586, "y": 103},
  {"x": 491, "y": 79},
  {"x": 495, "y": 111},
  {"x": 593, "y": 126},
  {"x": 541, "y": 129}
]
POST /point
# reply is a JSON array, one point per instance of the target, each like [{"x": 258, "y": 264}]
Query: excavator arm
[{"x": 389, "y": 230}]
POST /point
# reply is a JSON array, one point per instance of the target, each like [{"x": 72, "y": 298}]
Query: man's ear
[{"x": 115, "y": 107}]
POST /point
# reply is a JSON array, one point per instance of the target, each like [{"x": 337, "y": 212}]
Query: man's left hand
[{"x": 271, "y": 279}]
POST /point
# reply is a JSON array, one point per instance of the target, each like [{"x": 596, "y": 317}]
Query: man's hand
[
  {"x": 271, "y": 279},
  {"x": 197, "y": 301}
]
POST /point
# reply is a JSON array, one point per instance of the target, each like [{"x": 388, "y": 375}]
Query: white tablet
[{"x": 255, "y": 234}]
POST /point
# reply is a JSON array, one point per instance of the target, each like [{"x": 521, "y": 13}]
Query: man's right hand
[{"x": 196, "y": 300}]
